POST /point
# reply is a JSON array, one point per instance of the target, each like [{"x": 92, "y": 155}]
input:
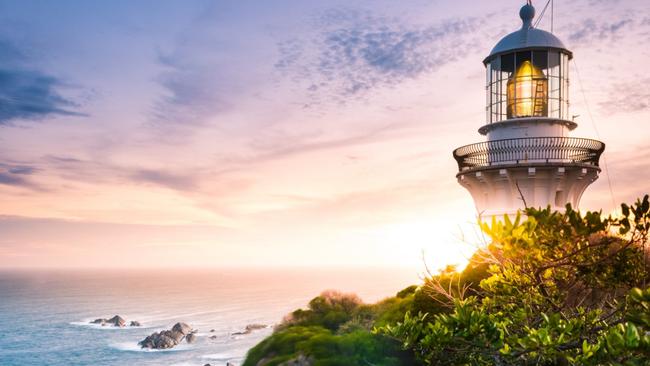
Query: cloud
[
  {"x": 12, "y": 179},
  {"x": 284, "y": 145},
  {"x": 22, "y": 170},
  {"x": 200, "y": 79},
  {"x": 356, "y": 52},
  {"x": 629, "y": 175},
  {"x": 29, "y": 94},
  {"x": 33, "y": 241},
  {"x": 192, "y": 91},
  {"x": 165, "y": 179},
  {"x": 631, "y": 96},
  {"x": 594, "y": 30},
  {"x": 99, "y": 172},
  {"x": 16, "y": 176}
]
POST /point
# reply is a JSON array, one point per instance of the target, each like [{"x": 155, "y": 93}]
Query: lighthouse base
[{"x": 504, "y": 190}]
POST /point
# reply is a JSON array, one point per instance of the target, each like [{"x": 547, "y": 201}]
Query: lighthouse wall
[
  {"x": 505, "y": 191},
  {"x": 528, "y": 128}
]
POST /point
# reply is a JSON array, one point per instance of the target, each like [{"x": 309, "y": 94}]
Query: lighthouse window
[
  {"x": 521, "y": 58},
  {"x": 553, "y": 59},
  {"x": 554, "y": 96},
  {"x": 540, "y": 59},
  {"x": 564, "y": 86},
  {"x": 508, "y": 62},
  {"x": 530, "y": 83}
]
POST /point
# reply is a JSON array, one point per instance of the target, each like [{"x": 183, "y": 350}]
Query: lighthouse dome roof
[{"x": 528, "y": 37}]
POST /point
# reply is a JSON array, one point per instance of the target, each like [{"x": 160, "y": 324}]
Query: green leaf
[
  {"x": 631, "y": 336},
  {"x": 625, "y": 209}
]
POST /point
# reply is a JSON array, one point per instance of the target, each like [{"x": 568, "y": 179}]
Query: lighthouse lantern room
[{"x": 529, "y": 159}]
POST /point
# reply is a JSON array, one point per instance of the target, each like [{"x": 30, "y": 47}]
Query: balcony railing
[{"x": 529, "y": 150}]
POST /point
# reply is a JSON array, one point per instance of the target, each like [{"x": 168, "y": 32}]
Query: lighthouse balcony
[{"x": 529, "y": 151}]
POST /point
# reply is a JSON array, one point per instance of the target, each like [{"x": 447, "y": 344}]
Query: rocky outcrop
[
  {"x": 183, "y": 328},
  {"x": 116, "y": 321},
  {"x": 169, "y": 338},
  {"x": 301, "y": 360},
  {"x": 250, "y": 328},
  {"x": 135, "y": 323}
]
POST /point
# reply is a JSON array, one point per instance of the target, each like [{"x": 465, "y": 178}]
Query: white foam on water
[
  {"x": 220, "y": 356},
  {"x": 162, "y": 317},
  {"x": 134, "y": 347},
  {"x": 219, "y": 363},
  {"x": 210, "y": 334},
  {"x": 87, "y": 323},
  {"x": 99, "y": 326}
]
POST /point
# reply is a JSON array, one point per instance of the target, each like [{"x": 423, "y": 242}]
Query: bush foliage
[
  {"x": 336, "y": 330},
  {"x": 550, "y": 288},
  {"x": 562, "y": 288}
]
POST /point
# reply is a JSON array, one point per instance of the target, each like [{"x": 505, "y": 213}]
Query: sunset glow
[{"x": 284, "y": 133}]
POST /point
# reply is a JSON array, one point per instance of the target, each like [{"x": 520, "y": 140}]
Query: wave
[
  {"x": 164, "y": 317},
  {"x": 87, "y": 323},
  {"x": 133, "y": 347},
  {"x": 220, "y": 356},
  {"x": 98, "y": 326}
]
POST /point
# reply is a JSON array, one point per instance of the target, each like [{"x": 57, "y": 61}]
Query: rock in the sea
[
  {"x": 182, "y": 328},
  {"x": 168, "y": 338},
  {"x": 116, "y": 321},
  {"x": 135, "y": 323},
  {"x": 160, "y": 340},
  {"x": 250, "y": 328},
  {"x": 190, "y": 338},
  {"x": 213, "y": 337}
]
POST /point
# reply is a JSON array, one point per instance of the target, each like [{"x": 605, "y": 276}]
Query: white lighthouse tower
[{"x": 529, "y": 158}]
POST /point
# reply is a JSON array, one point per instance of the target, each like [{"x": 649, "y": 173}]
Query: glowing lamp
[{"x": 527, "y": 92}]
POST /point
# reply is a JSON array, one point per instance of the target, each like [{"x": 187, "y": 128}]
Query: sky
[{"x": 242, "y": 133}]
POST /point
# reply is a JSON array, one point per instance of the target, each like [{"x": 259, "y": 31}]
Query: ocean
[{"x": 45, "y": 315}]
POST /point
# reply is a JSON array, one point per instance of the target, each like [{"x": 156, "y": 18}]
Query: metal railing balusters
[{"x": 527, "y": 149}]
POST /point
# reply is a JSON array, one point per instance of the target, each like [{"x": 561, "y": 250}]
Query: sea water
[{"x": 45, "y": 315}]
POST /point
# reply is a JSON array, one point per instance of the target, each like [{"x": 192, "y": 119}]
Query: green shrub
[
  {"x": 561, "y": 290},
  {"x": 325, "y": 348},
  {"x": 553, "y": 289},
  {"x": 336, "y": 330}
]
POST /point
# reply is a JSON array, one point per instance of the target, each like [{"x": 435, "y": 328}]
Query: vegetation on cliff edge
[
  {"x": 336, "y": 330},
  {"x": 551, "y": 289}
]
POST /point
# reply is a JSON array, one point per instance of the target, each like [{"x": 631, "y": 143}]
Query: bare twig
[{"x": 521, "y": 195}]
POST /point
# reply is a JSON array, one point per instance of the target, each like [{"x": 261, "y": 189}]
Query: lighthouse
[{"x": 528, "y": 157}]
